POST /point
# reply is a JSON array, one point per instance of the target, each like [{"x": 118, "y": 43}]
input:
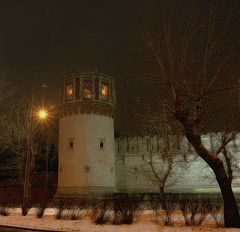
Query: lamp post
[{"x": 43, "y": 115}]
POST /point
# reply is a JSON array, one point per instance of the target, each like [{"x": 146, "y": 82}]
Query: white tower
[{"x": 86, "y": 135}]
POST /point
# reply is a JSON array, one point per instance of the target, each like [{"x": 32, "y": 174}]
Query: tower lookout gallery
[{"x": 86, "y": 135}]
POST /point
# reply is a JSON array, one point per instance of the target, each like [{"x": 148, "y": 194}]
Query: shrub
[
  {"x": 126, "y": 209},
  {"x": 168, "y": 207},
  {"x": 40, "y": 210},
  {"x": 26, "y": 208},
  {"x": 60, "y": 208},
  {"x": 194, "y": 210},
  {"x": 77, "y": 208},
  {"x": 217, "y": 212},
  {"x": 43, "y": 205},
  {"x": 101, "y": 211},
  {"x": 155, "y": 205},
  {"x": 6, "y": 208}
]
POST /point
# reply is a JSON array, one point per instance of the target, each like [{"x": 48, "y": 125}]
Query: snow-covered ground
[{"x": 48, "y": 222}]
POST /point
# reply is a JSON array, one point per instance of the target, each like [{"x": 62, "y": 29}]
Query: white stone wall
[
  {"x": 191, "y": 176},
  {"x": 86, "y": 166}
]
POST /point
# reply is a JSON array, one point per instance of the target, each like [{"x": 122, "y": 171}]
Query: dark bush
[
  {"x": 126, "y": 209},
  {"x": 217, "y": 212},
  {"x": 25, "y": 209},
  {"x": 40, "y": 212},
  {"x": 155, "y": 205},
  {"x": 194, "y": 210},
  {"x": 101, "y": 211},
  {"x": 168, "y": 207},
  {"x": 60, "y": 208},
  {"x": 73, "y": 209},
  {"x": 77, "y": 208},
  {"x": 6, "y": 207},
  {"x": 41, "y": 208}
]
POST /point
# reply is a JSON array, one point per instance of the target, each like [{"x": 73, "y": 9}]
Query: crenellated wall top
[{"x": 134, "y": 146}]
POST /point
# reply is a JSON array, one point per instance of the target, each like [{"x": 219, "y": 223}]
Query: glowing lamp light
[
  {"x": 42, "y": 114},
  {"x": 70, "y": 91},
  {"x": 104, "y": 90}
]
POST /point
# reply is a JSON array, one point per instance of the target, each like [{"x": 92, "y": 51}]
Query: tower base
[{"x": 84, "y": 192}]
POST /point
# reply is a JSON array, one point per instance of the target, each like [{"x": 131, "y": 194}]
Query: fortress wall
[
  {"x": 131, "y": 177},
  {"x": 132, "y": 170}
]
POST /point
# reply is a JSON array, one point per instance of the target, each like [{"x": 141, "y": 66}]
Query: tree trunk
[
  {"x": 162, "y": 198},
  {"x": 26, "y": 198},
  {"x": 231, "y": 213}
]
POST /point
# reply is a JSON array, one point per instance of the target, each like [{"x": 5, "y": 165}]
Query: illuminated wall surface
[
  {"x": 133, "y": 173},
  {"x": 92, "y": 162}
]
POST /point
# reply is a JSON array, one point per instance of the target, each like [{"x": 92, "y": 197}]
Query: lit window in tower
[
  {"x": 104, "y": 91},
  {"x": 87, "y": 89},
  {"x": 69, "y": 91}
]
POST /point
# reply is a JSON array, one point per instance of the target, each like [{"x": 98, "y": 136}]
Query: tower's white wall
[{"x": 86, "y": 131}]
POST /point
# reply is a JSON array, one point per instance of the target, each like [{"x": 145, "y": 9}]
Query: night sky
[{"x": 40, "y": 40}]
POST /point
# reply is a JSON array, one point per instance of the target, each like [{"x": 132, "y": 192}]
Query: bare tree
[
  {"x": 17, "y": 129},
  {"x": 163, "y": 155},
  {"x": 197, "y": 65},
  {"x": 5, "y": 89}
]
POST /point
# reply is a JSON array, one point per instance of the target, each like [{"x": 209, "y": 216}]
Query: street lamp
[{"x": 42, "y": 114}]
